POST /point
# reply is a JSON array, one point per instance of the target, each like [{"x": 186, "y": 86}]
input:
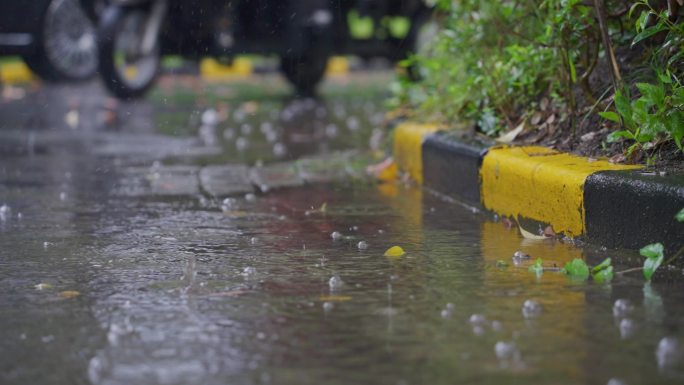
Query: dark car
[{"x": 54, "y": 37}]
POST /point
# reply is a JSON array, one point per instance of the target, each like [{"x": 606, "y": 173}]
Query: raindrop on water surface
[
  {"x": 335, "y": 282},
  {"x": 531, "y": 309}
]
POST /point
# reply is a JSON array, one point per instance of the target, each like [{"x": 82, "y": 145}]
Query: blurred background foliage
[{"x": 497, "y": 64}]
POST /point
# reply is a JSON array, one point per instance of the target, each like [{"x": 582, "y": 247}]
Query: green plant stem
[{"x": 669, "y": 261}]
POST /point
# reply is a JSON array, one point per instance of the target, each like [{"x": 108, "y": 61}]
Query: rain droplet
[
  {"x": 327, "y": 306},
  {"x": 353, "y": 123},
  {"x": 241, "y": 144},
  {"x": 4, "y": 212},
  {"x": 210, "y": 117},
  {"x": 62, "y": 196},
  {"x": 249, "y": 271},
  {"x": 249, "y": 197},
  {"x": 228, "y": 204},
  {"x": 331, "y": 130},
  {"x": 448, "y": 311},
  {"x": 336, "y": 235},
  {"x": 253, "y": 240},
  {"x": 668, "y": 353},
  {"x": 228, "y": 134},
  {"x": 531, "y": 309},
  {"x": 47, "y": 339},
  {"x": 622, "y": 308},
  {"x": 335, "y": 282},
  {"x": 627, "y": 328},
  {"x": 519, "y": 257},
  {"x": 616, "y": 381},
  {"x": 508, "y": 354},
  {"x": 363, "y": 245},
  {"x": 279, "y": 150},
  {"x": 271, "y": 136},
  {"x": 477, "y": 319},
  {"x": 246, "y": 129},
  {"x": 265, "y": 127}
]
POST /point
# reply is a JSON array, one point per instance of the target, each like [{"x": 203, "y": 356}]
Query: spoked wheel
[
  {"x": 66, "y": 48},
  {"x": 304, "y": 72},
  {"x": 127, "y": 69}
]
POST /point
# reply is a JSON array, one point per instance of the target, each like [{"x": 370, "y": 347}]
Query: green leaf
[
  {"x": 501, "y": 264},
  {"x": 615, "y": 136},
  {"x": 624, "y": 108},
  {"x": 610, "y": 115},
  {"x": 603, "y": 272},
  {"x": 664, "y": 77},
  {"x": 652, "y": 251},
  {"x": 680, "y": 215},
  {"x": 650, "y": 267},
  {"x": 654, "y": 254},
  {"x": 641, "y": 21},
  {"x": 633, "y": 8},
  {"x": 537, "y": 268},
  {"x": 652, "y": 94},
  {"x": 577, "y": 268},
  {"x": 648, "y": 32},
  {"x": 605, "y": 275},
  {"x": 606, "y": 262}
]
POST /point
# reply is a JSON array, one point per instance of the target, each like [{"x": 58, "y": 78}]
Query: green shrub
[{"x": 494, "y": 62}]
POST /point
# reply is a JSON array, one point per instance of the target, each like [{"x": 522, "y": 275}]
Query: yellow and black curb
[{"x": 617, "y": 206}]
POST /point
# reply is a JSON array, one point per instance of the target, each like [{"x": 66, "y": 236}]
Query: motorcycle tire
[
  {"x": 65, "y": 44},
  {"x": 116, "y": 80},
  {"x": 304, "y": 72},
  {"x": 421, "y": 31}
]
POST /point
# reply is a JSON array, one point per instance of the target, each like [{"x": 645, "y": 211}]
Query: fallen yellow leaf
[
  {"x": 385, "y": 171},
  {"x": 335, "y": 298},
  {"x": 528, "y": 235},
  {"x": 394, "y": 251},
  {"x": 69, "y": 294}
]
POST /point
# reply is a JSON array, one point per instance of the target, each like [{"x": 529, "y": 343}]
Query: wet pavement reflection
[{"x": 119, "y": 265}]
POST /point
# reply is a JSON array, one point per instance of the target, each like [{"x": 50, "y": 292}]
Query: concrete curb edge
[{"x": 617, "y": 206}]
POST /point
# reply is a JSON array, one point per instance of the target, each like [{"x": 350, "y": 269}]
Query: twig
[{"x": 615, "y": 70}]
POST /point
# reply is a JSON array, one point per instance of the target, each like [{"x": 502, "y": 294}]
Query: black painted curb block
[
  {"x": 623, "y": 209},
  {"x": 452, "y": 167},
  {"x": 630, "y": 209}
]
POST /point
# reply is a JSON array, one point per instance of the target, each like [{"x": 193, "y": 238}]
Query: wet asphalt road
[{"x": 187, "y": 239}]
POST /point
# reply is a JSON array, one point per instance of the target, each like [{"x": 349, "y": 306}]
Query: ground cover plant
[{"x": 601, "y": 77}]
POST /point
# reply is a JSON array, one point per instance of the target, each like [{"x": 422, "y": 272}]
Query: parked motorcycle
[
  {"x": 133, "y": 35},
  {"x": 54, "y": 37}
]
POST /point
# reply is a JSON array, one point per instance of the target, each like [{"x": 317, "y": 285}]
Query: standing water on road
[{"x": 118, "y": 266}]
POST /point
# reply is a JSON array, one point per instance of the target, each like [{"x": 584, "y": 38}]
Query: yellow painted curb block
[
  {"x": 540, "y": 184},
  {"x": 211, "y": 69},
  {"x": 337, "y": 66},
  {"x": 408, "y": 147},
  {"x": 15, "y": 72}
]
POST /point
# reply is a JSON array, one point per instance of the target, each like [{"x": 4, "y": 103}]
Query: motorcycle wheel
[
  {"x": 304, "y": 72},
  {"x": 125, "y": 71},
  {"x": 424, "y": 29},
  {"x": 65, "y": 49}
]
